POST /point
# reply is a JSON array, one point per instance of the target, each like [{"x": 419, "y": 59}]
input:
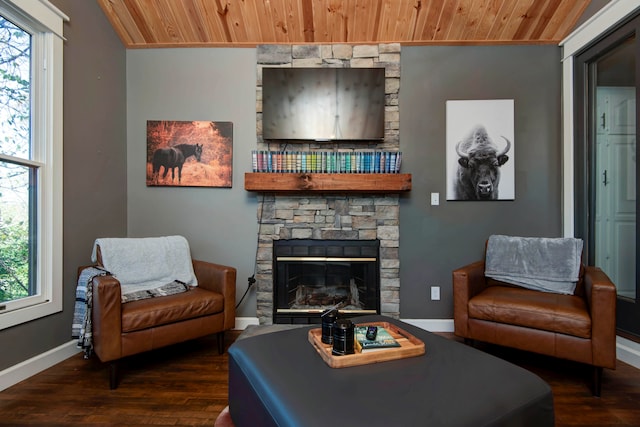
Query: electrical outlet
[{"x": 435, "y": 293}]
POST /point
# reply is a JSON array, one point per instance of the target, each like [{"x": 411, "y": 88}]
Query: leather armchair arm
[
  {"x": 468, "y": 281},
  {"x": 221, "y": 279},
  {"x": 601, "y": 299},
  {"x": 107, "y": 318}
]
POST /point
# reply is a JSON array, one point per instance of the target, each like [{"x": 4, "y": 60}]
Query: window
[{"x": 30, "y": 160}]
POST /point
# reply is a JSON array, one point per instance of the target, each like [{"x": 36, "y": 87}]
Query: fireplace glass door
[{"x": 304, "y": 286}]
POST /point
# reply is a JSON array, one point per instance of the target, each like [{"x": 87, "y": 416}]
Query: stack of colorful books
[{"x": 326, "y": 161}]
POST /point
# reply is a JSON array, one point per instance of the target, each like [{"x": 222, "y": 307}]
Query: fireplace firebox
[{"x": 311, "y": 276}]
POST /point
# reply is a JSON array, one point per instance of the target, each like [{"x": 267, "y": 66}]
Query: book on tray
[{"x": 383, "y": 339}]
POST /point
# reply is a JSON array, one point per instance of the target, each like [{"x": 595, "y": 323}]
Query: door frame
[
  {"x": 610, "y": 16},
  {"x": 614, "y": 13}
]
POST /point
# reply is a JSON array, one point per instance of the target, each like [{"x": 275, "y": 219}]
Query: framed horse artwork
[{"x": 189, "y": 153}]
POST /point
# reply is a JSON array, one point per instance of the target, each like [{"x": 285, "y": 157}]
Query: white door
[{"x": 615, "y": 184}]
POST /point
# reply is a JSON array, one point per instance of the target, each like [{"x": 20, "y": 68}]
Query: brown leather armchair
[
  {"x": 121, "y": 330},
  {"x": 579, "y": 327}
]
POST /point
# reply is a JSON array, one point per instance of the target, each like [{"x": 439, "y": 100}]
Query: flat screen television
[{"x": 323, "y": 104}]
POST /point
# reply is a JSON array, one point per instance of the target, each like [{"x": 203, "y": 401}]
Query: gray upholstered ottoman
[{"x": 278, "y": 379}]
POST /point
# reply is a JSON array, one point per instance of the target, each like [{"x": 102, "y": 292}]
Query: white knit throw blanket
[{"x": 143, "y": 264}]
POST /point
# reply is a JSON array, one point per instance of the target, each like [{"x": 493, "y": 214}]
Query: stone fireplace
[{"x": 349, "y": 216}]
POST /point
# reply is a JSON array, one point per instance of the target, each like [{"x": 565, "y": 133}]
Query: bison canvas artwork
[
  {"x": 480, "y": 150},
  {"x": 189, "y": 153}
]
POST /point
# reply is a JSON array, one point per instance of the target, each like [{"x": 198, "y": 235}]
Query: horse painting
[{"x": 172, "y": 158}]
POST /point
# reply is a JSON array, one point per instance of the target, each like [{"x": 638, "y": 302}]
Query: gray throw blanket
[
  {"x": 544, "y": 264},
  {"x": 81, "y": 327},
  {"x": 172, "y": 288}
]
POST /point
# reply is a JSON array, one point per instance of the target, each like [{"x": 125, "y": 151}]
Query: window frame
[{"x": 46, "y": 21}]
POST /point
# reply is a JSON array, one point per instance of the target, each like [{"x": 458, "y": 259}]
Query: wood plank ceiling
[{"x": 191, "y": 23}]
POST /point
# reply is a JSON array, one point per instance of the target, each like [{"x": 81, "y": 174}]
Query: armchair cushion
[
  {"x": 565, "y": 314},
  {"x": 147, "y": 313}
]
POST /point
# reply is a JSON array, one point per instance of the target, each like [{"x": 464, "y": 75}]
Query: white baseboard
[
  {"x": 628, "y": 351},
  {"x": 243, "y": 322},
  {"x": 432, "y": 325},
  {"x": 39, "y": 363}
]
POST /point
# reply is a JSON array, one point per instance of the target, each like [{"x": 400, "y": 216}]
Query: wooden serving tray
[{"x": 410, "y": 346}]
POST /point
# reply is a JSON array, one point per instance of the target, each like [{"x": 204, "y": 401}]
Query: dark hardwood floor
[{"x": 186, "y": 385}]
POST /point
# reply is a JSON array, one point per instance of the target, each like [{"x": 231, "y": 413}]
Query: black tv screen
[{"x": 323, "y": 104}]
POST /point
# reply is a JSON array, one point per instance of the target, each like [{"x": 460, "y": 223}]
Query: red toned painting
[{"x": 189, "y": 153}]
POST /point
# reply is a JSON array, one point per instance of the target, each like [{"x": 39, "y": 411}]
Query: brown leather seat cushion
[
  {"x": 565, "y": 314},
  {"x": 146, "y": 313}
]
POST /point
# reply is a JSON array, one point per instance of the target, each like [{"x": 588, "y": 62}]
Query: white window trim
[
  {"x": 48, "y": 133},
  {"x": 610, "y": 15}
]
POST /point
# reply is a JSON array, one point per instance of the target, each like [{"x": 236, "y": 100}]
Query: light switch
[{"x": 435, "y": 199}]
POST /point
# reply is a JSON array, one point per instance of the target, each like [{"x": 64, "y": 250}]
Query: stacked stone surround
[{"x": 352, "y": 216}]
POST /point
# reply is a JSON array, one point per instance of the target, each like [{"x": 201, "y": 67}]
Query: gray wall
[
  {"x": 196, "y": 84},
  {"x": 94, "y": 165},
  {"x": 434, "y": 240}
]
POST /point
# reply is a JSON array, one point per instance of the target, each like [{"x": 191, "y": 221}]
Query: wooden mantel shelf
[{"x": 328, "y": 182}]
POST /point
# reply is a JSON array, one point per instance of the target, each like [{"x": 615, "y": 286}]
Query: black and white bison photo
[{"x": 479, "y": 162}]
